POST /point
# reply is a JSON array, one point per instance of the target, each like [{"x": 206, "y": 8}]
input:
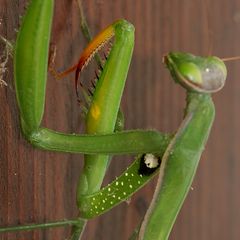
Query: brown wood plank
[{"x": 38, "y": 186}]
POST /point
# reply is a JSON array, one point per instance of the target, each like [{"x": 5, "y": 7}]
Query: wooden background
[{"x": 39, "y": 186}]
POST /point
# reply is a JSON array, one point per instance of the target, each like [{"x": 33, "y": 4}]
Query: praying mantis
[{"x": 107, "y": 190}]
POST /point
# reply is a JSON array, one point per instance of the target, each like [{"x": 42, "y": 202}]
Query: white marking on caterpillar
[
  {"x": 150, "y": 160},
  {"x": 149, "y": 163}
]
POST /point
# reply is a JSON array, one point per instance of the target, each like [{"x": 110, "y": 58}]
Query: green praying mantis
[{"x": 173, "y": 157}]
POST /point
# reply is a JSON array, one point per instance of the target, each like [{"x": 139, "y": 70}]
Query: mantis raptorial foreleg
[
  {"x": 31, "y": 82},
  {"x": 174, "y": 156},
  {"x": 30, "y": 87}
]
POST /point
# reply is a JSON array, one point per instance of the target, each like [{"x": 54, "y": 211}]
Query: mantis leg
[
  {"x": 30, "y": 66},
  {"x": 30, "y": 61}
]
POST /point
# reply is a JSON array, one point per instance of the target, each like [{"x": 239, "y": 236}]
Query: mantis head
[{"x": 199, "y": 74}]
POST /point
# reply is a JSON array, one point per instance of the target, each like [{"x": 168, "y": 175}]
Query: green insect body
[
  {"x": 180, "y": 161},
  {"x": 178, "y": 168}
]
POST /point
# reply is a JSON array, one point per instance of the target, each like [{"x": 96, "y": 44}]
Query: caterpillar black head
[{"x": 149, "y": 163}]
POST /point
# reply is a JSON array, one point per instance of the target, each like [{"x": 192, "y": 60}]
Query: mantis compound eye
[
  {"x": 149, "y": 163},
  {"x": 196, "y": 73}
]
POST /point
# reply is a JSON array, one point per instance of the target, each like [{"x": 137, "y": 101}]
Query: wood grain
[{"x": 39, "y": 186}]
